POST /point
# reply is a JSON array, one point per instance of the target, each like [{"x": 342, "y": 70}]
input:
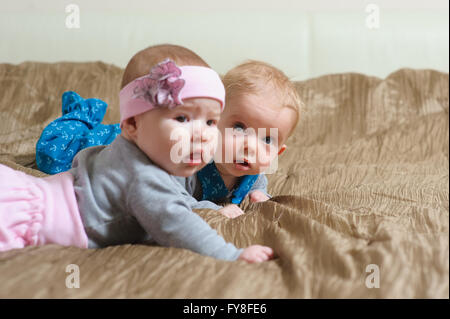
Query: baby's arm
[
  {"x": 195, "y": 204},
  {"x": 162, "y": 210},
  {"x": 190, "y": 184},
  {"x": 258, "y": 192}
]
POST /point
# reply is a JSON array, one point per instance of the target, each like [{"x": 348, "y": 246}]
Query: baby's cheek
[
  {"x": 228, "y": 142},
  {"x": 265, "y": 156},
  {"x": 179, "y": 144},
  {"x": 210, "y": 139},
  {"x": 211, "y": 135},
  {"x": 209, "y": 150}
]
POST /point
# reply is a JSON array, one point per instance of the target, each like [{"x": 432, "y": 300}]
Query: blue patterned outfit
[
  {"x": 78, "y": 127},
  {"x": 214, "y": 189}
]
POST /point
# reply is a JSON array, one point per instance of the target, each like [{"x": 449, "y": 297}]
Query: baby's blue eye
[
  {"x": 181, "y": 118},
  {"x": 210, "y": 122},
  {"x": 239, "y": 127},
  {"x": 268, "y": 139}
]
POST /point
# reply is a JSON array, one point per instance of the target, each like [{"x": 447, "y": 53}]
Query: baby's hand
[
  {"x": 256, "y": 254},
  {"x": 231, "y": 211},
  {"x": 258, "y": 196}
]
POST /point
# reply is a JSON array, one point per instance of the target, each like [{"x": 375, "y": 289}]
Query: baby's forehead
[
  {"x": 260, "y": 114},
  {"x": 256, "y": 105},
  {"x": 265, "y": 116},
  {"x": 199, "y": 105}
]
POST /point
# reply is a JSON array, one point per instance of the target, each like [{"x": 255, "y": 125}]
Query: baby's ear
[
  {"x": 129, "y": 128},
  {"x": 282, "y": 149}
]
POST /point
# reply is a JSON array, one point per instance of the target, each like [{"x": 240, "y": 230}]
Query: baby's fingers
[
  {"x": 262, "y": 256},
  {"x": 225, "y": 214},
  {"x": 264, "y": 253},
  {"x": 235, "y": 212},
  {"x": 258, "y": 196},
  {"x": 268, "y": 251},
  {"x": 238, "y": 213},
  {"x": 230, "y": 214}
]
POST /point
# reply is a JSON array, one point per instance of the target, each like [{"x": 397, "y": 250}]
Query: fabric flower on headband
[{"x": 162, "y": 86}]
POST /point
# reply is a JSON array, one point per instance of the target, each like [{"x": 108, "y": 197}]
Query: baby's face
[
  {"x": 245, "y": 128},
  {"x": 181, "y": 140}
]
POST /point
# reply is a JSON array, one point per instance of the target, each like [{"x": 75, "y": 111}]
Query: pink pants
[{"x": 38, "y": 211}]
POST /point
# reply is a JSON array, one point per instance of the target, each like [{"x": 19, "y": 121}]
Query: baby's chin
[
  {"x": 186, "y": 170},
  {"x": 235, "y": 170}
]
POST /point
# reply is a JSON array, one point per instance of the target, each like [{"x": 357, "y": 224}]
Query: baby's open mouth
[
  {"x": 243, "y": 165},
  {"x": 195, "y": 158}
]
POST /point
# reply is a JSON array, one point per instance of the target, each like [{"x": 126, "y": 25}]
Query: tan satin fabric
[{"x": 364, "y": 181}]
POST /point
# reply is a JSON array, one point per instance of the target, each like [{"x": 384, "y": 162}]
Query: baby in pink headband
[{"x": 127, "y": 192}]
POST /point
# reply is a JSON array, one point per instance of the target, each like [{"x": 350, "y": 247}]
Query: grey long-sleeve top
[{"x": 123, "y": 197}]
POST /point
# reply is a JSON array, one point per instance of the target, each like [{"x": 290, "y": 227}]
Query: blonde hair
[
  {"x": 252, "y": 77},
  {"x": 141, "y": 63}
]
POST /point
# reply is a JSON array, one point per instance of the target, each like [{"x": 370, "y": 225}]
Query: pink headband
[{"x": 167, "y": 85}]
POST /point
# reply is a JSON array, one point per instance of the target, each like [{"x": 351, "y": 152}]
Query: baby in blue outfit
[{"x": 262, "y": 112}]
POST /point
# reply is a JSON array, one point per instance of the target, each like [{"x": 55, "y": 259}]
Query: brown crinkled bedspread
[{"x": 364, "y": 182}]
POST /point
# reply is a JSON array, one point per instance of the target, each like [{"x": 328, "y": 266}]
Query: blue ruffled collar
[{"x": 214, "y": 189}]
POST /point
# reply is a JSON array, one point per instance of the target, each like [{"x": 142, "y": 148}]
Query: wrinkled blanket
[{"x": 360, "y": 205}]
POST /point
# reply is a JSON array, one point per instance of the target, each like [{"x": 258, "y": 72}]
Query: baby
[
  {"x": 259, "y": 98},
  {"x": 127, "y": 192}
]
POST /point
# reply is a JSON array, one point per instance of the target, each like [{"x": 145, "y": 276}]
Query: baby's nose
[
  {"x": 250, "y": 146},
  {"x": 198, "y": 132}
]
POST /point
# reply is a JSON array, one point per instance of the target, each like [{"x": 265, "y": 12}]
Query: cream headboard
[{"x": 303, "y": 38}]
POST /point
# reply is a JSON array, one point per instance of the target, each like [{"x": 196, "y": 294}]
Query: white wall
[{"x": 303, "y": 38}]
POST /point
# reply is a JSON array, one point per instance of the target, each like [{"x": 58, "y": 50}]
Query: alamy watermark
[
  {"x": 373, "y": 279},
  {"x": 73, "y": 17},
  {"x": 373, "y": 19},
  {"x": 73, "y": 279}
]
